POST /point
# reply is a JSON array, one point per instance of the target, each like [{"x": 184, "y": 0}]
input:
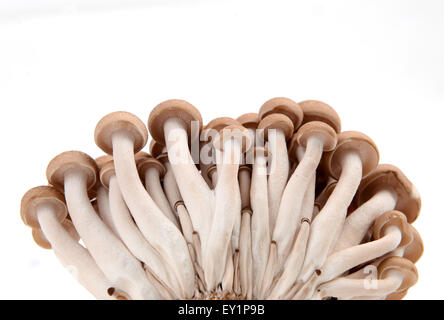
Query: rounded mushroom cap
[
  {"x": 40, "y": 238},
  {"x": 236, "y": 132},
  {"x": 397, "y": 295},
  {"x": 207, "y": 171},
  {"x": 405, "y": 266},
  {"x": 414, "y": 250},
  {"x": 386, "y": 176},
  {"x": 172, "y": 109},
  {"x": 249, "y": 120},
  {"x": 284, "y": 106},
  {"x": 261, "y": 151},
  {"x": 323, "y": 196},
  {"x": 315, "y": 110},
  {"x": 71, "y": 160},
  {"x": 218, "y": 124},
  {"x": 148, "y": 163},
  {"x": 117, "y": 122},
  {"x": 156, "y": 148},
  {"x": 100, "y": 161},
  {"x": 141, "y": 156},
  {"x": 276, "y": 121},
  {"x": 352, "y": 141},
  {"x": 389, "y": 219},
  {"x": 319, "y": 129},
  {"x": 108, "y": 170},
  {"x": 42, "y": 195}
]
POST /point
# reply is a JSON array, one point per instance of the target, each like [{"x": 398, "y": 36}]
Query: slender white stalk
[
  {"x": 118, "y": 265},
  {"x": 104, "y": 209},
  {"x": 160, "y": 232},
  {"x": 329, "y": 222},
  {"x": 245, "y": 257},
  {"x": 358, "y": 222}
]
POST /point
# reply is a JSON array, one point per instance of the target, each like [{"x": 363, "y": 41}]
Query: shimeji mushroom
[
  {"x": 278, "y": 204},
  {"x": 43, "y": 208},
  {"x": 385, "y": 188},
  {"x": 354, "y": 157},
  {"x": 74, "y": 173},
  {"x": 390, "y": 231},
  {"x": 395, "y": 275},
  {"x": 131, "y": 236},
  {"x": 283, "y": 126}
]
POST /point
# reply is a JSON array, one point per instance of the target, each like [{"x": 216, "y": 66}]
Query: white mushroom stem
[
  {"x": 169, "y": 184},
  {"x": 290, "y": 211},
  {"x": 245, "y": 257},
  {"x": 348, "y": 288},
  {"x": 104, "y": 209},
  {"x": 136, "y": 242},
  {"x": 198, "y": 197},
  {"x": 293, "y": 265},
  {"x": 227, "y": 208},
  {"x": 268, "y": 276},
  {"x": 228, "y": 279},
  {"x": 279, "y": 170},
  {"x": 330, "y": 220},
  {"x": 185, "y": 222},
  {"x": 358, "y": 222},
  {"x": 72, "y": 255},
  {"x": 154, "y": 188},
  {"x": 160, "y": 232},
  {"x": 260, "y": 232},
  {"x": 118, "y": 265},
  {"x": 341, "y": 261}
]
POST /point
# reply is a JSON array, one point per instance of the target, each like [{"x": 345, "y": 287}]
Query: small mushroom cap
[
  {"x": 276, "y": 121},
  {"x": 323, "y": 196},
  {"x": 71, "y": 160},
  {"x": 319, "y": 129},
  {"x": 120, "y": 121},
  {"x": 172, "y": 109},
  {"x": 414, "y": 250},
  {"x": 148, "y": 163},
  {"x": 218, "y": 124},
  {"x": 386, "y": 176},
  {"x": 107, "y": 171},
  {"x": 284, "y": 106},
  {"x": 100, "y": 161},
  {"x": 156, "y": 148},
  {"x": 40, "y": 238},
  {"x": 352, "y": 141},
  {"x": 141, "y": 156},
  {"x": 163, "y": 157},
  {"x": 261, "y": 151},
  {"x": 207, "y": 171},
  {"x": 405, "y": 266},
  {"x": 396, "y": 219},
  {"x": 42, "y": 195},
  {"x": 233, "y": 132},
  {"x": 315, "y": 110},
  {"x": 249, "y": 120}
]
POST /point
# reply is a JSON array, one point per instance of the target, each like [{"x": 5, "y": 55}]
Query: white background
[{"x": 65, "y": 64}]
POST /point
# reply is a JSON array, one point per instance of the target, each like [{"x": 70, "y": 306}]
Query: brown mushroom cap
[
  {"x": 386, "y": 176},
  {"x": 108, "y": 170},
  {"x": 172, "y": 109},
  {"x": 233, "y": 131},
  {"x": 249, "y": 120},
  {"x": 147, "y": 163},
  {"x": 156, "y": 148},
  {"x": 320, "y": 129},
  {"x": 100, "y": 161},
  {"x": 141, "y": 156},
  {"x": 276, "y": 121},
  {"x": 319, "y": 111},
  {"x": 71, "y": 160},
  {"x": 218, "y": 124},
  {"x": 120, "y": 121},
  {"x": 393, "y": 218},
  {"x": 284, "y": 106},
  {"x": 40, "y": 238},
  {"x": 414, "y": 250},
  {"x": 323, "y": 196},
  {"x": 42, "y": 195},
  {"x": 397, "y": 295},
  {"x": 261, "y": 151},
  {"x": 352, "y": 141},
  {"x": 408, "y": 269}
]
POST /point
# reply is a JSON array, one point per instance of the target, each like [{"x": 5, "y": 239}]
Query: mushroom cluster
[{"x": 278, "y": 204}]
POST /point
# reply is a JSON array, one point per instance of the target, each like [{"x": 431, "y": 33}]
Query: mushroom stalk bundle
[{"x": 279, "y": 204}]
